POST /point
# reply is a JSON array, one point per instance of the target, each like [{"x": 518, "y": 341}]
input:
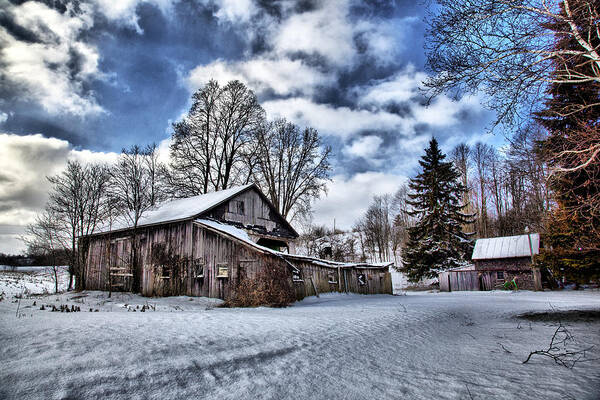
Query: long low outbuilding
[{"x": 208, "y": 250}]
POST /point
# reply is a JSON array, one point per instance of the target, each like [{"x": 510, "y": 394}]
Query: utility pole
[{"x": 537, "y": 276}]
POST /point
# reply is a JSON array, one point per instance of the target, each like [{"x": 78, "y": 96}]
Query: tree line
[
  {"x": 224, "y": 140},
  {"x": 538, "y": 65}
]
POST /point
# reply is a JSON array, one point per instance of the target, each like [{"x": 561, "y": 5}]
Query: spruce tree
[{"x": 437, "y": 242}]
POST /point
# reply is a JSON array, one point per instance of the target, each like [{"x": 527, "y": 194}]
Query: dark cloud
[
  {"x": 28, "y": 118},
  {"x": 402, "y": 109},
  {"x": 303, "y": 6},
  {"x": 270, "y": 8},
  {"x": 17, "y": 31}
]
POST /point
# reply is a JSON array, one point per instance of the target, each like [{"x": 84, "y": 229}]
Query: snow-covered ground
[
  {"x": 458, "y": 345},
  {"x": 31, "y": 280}
]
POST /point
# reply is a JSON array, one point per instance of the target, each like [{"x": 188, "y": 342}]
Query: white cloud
[
  {"x": 164, "y": 151},
  {"x": 339, "y": 121},
  {"x": 384, "y": 39},
  {"x": 365, "y": 147},
  {"x": 348, "y": 198},
  {"x": 41, "y": 70},
  {"x": 235, "y": 10},
  {"x": 443, "y": 111},
  {"x": 25, "y": 162},
  {"x": 3, "y": 117},
  {"x": 326, "y": 32},
  {"x": 282, "y": 76},
  {"x": 401, "y": 87}
]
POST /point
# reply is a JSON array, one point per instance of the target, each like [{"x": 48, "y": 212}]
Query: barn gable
[
  {"x": 250, "y": 209},
  {"x": 244, "y": 206}
]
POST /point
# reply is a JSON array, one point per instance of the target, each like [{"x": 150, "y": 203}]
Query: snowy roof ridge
[
  {"x": 180, "y": 209},
  {"x": 242, "y": 236},
  {"x": 506, "y": 247}
]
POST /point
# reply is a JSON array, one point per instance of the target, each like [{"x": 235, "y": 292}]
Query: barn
[
  {"x": 206, "y": 245},
  {"x": 497, "y": 261}
]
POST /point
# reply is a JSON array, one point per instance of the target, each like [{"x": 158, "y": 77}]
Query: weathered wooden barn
[
  {"x": 206, "y": 245},
  {"x": 497, "y": 261}
]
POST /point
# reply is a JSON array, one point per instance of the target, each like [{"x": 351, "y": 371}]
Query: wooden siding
[
  {"x": 377, "y": 280},
  {"x": 256, "y": 211},
  {"x": 451, "y": 281},
  {"x": 171, "y": 258}
]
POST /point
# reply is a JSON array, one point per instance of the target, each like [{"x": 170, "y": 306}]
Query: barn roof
[
  {"x": 506, "y": 247},
  {"x": 187, "y": 208},
  {"x": 241, "y": 236}
]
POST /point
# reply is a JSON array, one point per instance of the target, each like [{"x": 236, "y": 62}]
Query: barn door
[
  {"x": 222, "y": 279},
  {"x": 120, "y": 272}
]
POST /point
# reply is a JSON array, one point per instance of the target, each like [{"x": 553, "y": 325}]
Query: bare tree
[
  {"x": 208, "y": 150},
  {"x": 135, "y": 189},
  {"x": 376, "y": 226},
  {"x": 505, "y": 48},
  {"x": 239, "y": 114},
  {"x": 291, "y": 165},
  {"x": 481, "y": 157},
  {"x": 47, "y": 237},
  {"x": 461, "y": 156},
  {"x": 401, "y": 220},
  {"x": 527, "y": 167},
  {"x": 77, "y": 199},
  {"x": 130, "y": 185}
]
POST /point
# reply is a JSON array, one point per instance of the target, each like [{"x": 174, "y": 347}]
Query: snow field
[{"x": 419, "y": 346}]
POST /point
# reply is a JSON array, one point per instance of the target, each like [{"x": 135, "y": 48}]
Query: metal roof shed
[{"x": 506, "y": 247}]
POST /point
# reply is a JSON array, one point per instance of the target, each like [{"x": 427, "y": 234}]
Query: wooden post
[
  {"x": 537, "y": 276},
  {"x": 314, "y": 286},
  {"x": 340, "y": 279},
  {"x": 537, "y": 279},
  {"x": 345, "y": 282}
]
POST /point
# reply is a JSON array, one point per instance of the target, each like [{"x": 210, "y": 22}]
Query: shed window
[
  {"x": 165, "y": 272},
  {"x": 240, "y": 207},
  {"x": 333, "y": 277},
  {"x": 362, "y": 281},
  {"x": 500, "y": 274},
  {"x": 297, "y": 275},
  {"x": 222, "y": 271}
]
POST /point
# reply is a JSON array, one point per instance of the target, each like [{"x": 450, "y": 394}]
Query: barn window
[
  {"x": 362, "y": 280},
  {"x": 165, "y": 272},
  {"x": 240, "y": 207},
  {"x": 297, "y": 275},
  {"x": 222, "y": 271},
  {"x": 198, "y": 269},
  {"x": 333, "y": 277},
  {"x": 500, "y": 274}
]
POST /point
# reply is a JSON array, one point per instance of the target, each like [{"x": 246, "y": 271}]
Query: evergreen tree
[
  {"x": 572, "y": 118},
  {"x": 437, "y": 241}
]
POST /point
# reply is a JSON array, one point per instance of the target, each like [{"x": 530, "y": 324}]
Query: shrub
[{"x": 272, "y": 287}]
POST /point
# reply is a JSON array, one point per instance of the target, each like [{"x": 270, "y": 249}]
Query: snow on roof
[
  {"x": 237, "y": 233},
  {"x": 175, "y": 210},
  {"x": 506, "y": 247},
  {"x": 242, "y": 235}
]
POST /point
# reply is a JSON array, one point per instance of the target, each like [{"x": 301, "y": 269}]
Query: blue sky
[{"x": 85, "y": 79}]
